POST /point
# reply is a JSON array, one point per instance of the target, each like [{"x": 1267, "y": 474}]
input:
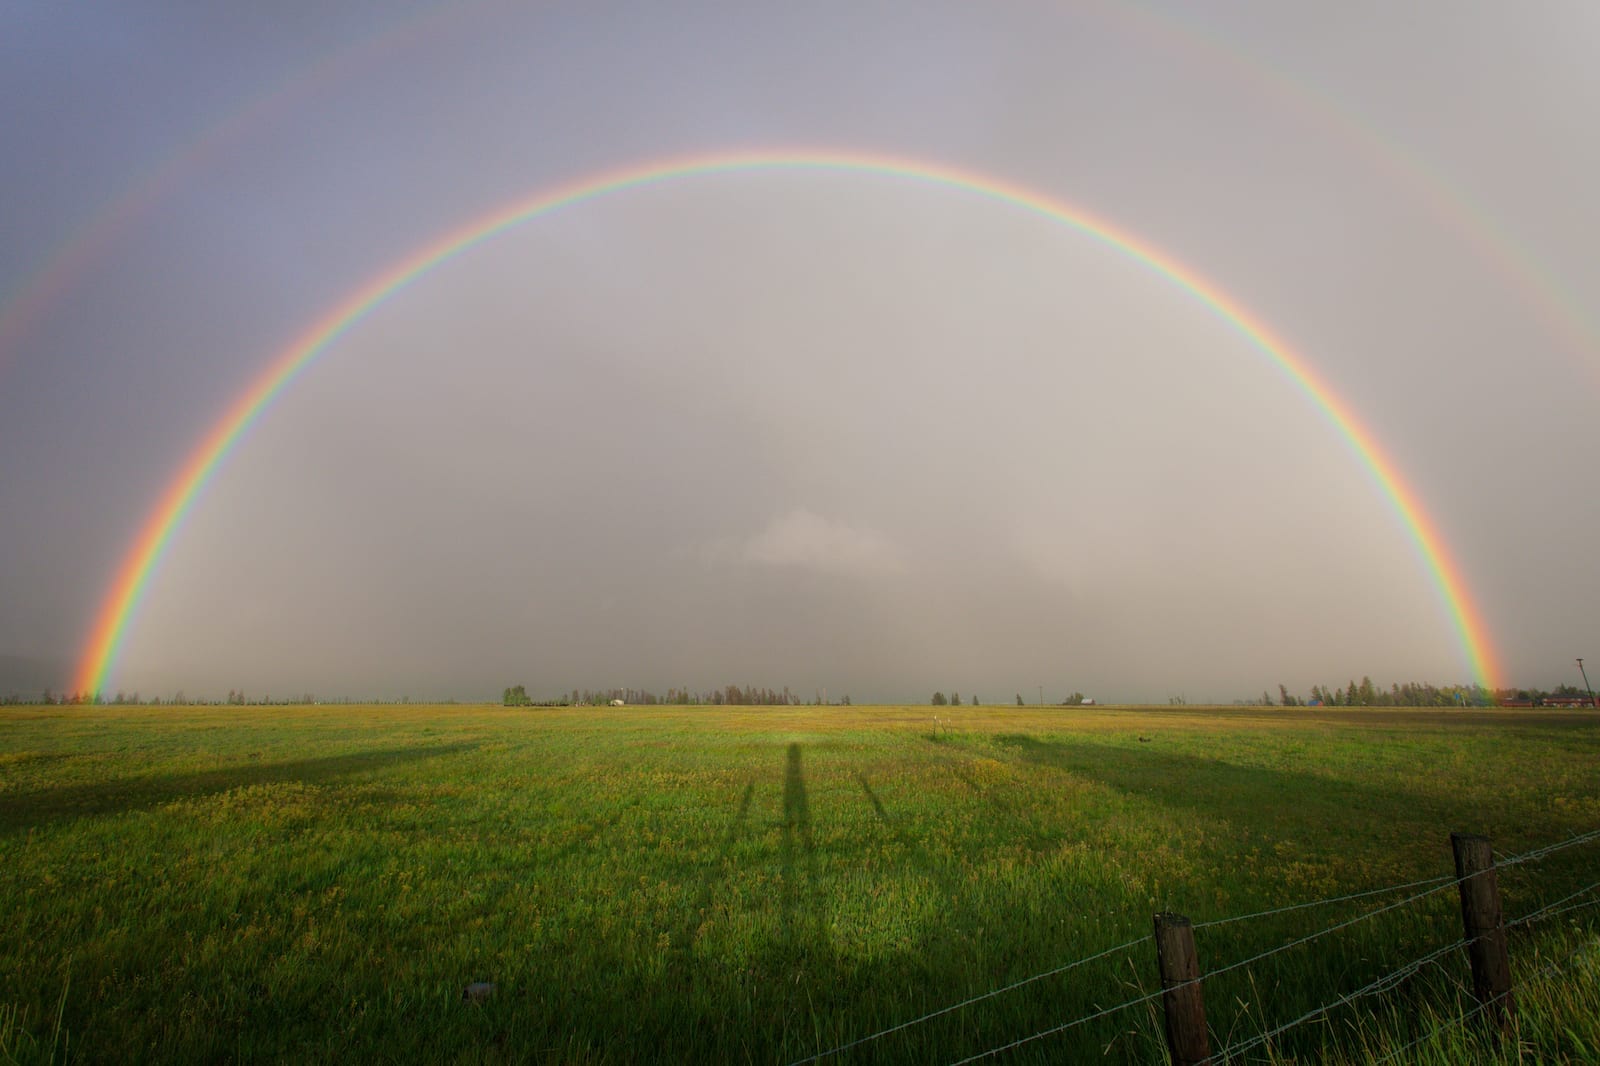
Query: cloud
[{"x": 808, "y": 541}]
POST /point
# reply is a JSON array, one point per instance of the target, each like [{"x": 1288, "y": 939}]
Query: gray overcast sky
[{"x": 800, "y": 428}]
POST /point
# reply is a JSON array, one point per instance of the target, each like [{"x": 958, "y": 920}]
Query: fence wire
[
  {"x": 1388, "y": 981},
  {"x": 1429, "y": 886},
  {"x": 1372, "y": 988},
  {"x": 1441, "y": 1027},
  {"x": 1440, "y": 880},
  {"x": 1358, "y": 919},
  {"x": 1550, "y": 910},
  {"x": 1550, "y": 849},
  {"x": 969, "y": 1002},
  {"x": 1460, "y": 1019},
  {"x": 1146, "y": 998},
  {"x": 1204, "y": 977},
  {"x": 1513, "y": 860}
]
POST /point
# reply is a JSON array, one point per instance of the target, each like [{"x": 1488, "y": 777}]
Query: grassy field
[{"x": 721, "y": 884}]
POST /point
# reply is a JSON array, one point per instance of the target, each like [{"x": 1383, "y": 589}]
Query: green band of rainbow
[{"x": 122, "y": 600}]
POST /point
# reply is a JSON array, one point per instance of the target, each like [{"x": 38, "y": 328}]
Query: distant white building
[
  {"x": 1088, "y": 701},
  {"x": 618, "y": 703}
]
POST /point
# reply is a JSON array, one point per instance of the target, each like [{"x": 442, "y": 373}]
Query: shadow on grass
[
  {"x": 30, "y": 810},
  {"x": 813, "y": 982},
  {"x": 872, "y": 798},
  {"x": 831, "y": 968},
  {"x": 797, "y": 856},
  {"x": 1247, "y": 795},
  {"x": 737, "y": 826}
]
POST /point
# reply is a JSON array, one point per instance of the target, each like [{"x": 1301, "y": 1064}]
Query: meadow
[{"x": 764, "y": 884}]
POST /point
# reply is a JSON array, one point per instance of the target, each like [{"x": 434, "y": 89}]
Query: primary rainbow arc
[{"x": 132, "y": 579}]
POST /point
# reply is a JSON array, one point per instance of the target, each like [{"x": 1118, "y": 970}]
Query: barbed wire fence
[
  {"x": 1461, "y": 1019},
  {"x": 1588, "y": 896},
  {"x": 1096, "y": 957},
  {"x": 1372, "y": 988}
]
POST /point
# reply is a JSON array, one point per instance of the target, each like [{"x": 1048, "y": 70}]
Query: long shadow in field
[
  {"x": 897, "y": 829},
  {"x": 821, "y": 977},
  {"x": 1248, "y": 795},
  {"x": 25, "y": 810},
  {"x": 988, "y": 793},
  {"x": 872, "y": 798},
  {"x": 797, "y": 852},
  {"x": 736, "y": 827}
]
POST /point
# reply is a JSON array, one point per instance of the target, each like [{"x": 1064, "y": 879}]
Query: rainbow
[{"x": 121, "y": 603}]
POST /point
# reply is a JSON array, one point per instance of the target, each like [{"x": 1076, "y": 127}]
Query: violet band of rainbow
[{"x": 121, "y": 602}]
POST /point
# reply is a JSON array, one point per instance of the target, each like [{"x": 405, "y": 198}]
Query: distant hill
[{"x": 26, "y": 675}]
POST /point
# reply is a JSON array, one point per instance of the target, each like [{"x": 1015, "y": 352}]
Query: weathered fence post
[
  {"x": 1485, "y": 928},
  {"x": 1180, "y": 982}
]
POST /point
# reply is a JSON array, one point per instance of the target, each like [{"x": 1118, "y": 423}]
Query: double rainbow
[{"x": 144, "y": 557}]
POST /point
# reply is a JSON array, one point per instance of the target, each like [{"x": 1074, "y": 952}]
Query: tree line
[
  {"x": 727, "y": 696},
  {"x": 954, "y": 700},
  {"x": 234, "y": 698},
  {"x": 1416, "y": 694},
  {"x": 1353, "y": 694}
]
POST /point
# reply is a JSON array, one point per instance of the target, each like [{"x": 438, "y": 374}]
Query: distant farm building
[
  {"x": 1568, "y": 701},
  {"x": 618, "y": 703}
]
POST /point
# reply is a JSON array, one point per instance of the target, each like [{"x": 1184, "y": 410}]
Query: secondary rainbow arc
[
  {"x": 121, "y": 602},
  {"x": 1558, "y": 311}
]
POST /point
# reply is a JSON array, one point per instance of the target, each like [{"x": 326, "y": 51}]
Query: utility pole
[
  {"x": 1041, "y": 695},
  {"x": 1586, "y": 685}
]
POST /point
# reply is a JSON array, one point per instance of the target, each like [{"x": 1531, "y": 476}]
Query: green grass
[{"x": 724, "y": 884}]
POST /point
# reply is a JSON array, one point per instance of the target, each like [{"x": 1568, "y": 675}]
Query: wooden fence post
[
  {"x": 1485, "y": 928},
  {"x": 1180, "y": 982}
]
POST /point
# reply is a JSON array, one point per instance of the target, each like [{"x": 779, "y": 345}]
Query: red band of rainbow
[{"x": 121, "y": 602}]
